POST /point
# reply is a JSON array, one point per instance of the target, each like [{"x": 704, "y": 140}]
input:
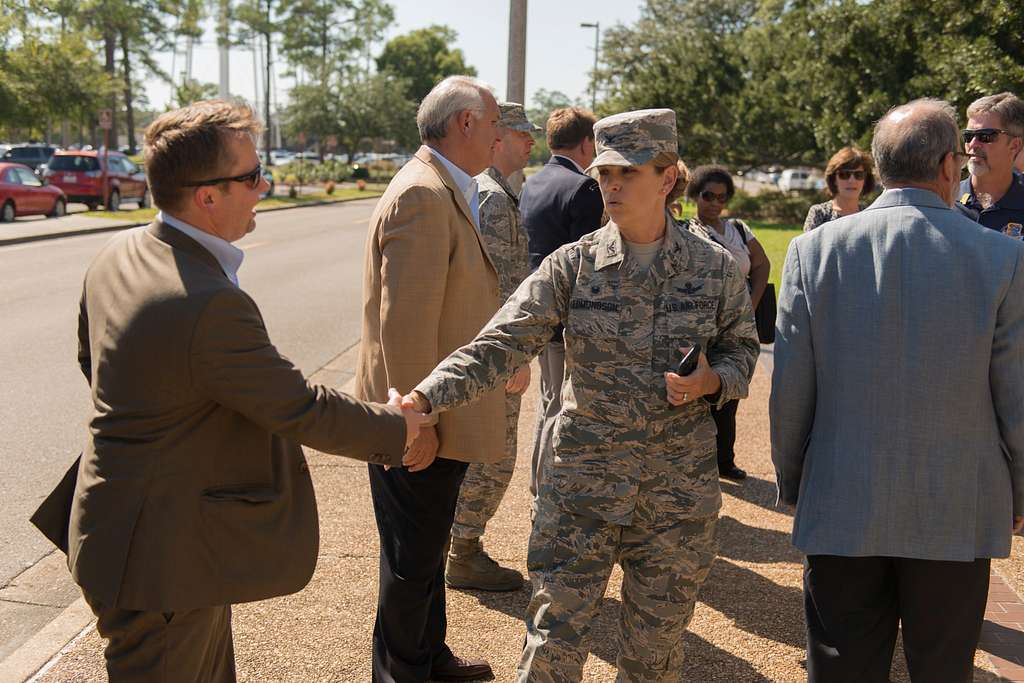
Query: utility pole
[
  {"x": 516, "y": 86},
  {"x": 224, "y": 47},
  {"x": 597, "y": 47},
  {"x": 516, "y": 91}
]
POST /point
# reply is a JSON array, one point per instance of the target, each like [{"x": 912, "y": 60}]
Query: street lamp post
[{"x": 597, "y": 46}]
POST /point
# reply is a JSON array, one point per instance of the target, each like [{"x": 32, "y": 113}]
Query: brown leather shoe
[{"x": 459, "y": 669}]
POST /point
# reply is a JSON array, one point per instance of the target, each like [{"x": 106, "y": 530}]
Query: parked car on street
[
  {"x": 80, "y": 174},
  {"x": 797, "y": 179},
  {"x": 32, "y": 155},
  {"x": 23, "y": 194}
]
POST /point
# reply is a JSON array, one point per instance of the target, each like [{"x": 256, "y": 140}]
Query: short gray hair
[
  {"x": 912, "y": 139},
  {"x": 449, "y": 97},
  {"x": 1007, "y": 106}
]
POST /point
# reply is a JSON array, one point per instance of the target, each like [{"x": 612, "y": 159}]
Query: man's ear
[{"x": 203, "y": 198}]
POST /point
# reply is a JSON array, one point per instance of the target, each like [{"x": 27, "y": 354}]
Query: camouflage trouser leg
[
  {"x": 663, "y": 568},
  {"x": 485, "y": 483},
  {"x": 570, "y": 559}
]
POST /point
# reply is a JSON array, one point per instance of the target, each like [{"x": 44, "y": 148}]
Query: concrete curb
[
  {"x": 42, "y": 648},
  {"x": 124, "y": 226}
]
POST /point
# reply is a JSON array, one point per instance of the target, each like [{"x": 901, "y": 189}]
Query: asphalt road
[{"x": 303, "y": 267}]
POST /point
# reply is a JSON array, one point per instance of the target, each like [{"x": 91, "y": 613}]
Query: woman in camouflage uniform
[{"x": 634, "y": 479}]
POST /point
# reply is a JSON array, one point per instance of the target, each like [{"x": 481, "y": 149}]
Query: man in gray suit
[{"x": 897, "y": 413}]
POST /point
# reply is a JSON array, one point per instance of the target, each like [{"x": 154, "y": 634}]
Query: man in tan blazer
[
  {"x": 192, "y": 492},
  {"x": 429, "y": 287}
]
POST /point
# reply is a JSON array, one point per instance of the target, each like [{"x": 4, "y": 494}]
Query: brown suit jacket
[
  {"x": 193, "y": 490},
  {"x": 428, "y": 288}
]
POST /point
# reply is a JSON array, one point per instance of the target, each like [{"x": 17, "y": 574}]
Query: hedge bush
[{"x": 774, "y": 205}]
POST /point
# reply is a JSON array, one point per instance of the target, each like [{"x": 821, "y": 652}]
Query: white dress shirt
[
  {"x": 466, "y": 184},
  {"x": 228, "y": 255}
]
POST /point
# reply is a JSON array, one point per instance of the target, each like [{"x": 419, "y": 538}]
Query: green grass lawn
[{"x": 341, "y": 194}]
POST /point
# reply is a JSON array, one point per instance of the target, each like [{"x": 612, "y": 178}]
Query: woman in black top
[{"x": 849, "y": 177}]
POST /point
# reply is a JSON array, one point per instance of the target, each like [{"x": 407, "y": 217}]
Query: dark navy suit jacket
[{"x": 558, "y": 205}]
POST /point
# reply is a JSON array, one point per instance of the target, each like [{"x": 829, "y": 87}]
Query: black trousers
[
  {"x": 414, "y": 512},
  {"x": 854, "y": 606},
  {"x": 725, "y": 420}
]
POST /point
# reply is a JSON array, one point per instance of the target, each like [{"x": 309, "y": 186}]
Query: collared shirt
[
  {"x": 1005, "y": 216},
  {"x": 466, "y": 184},
  {"x": 228, "y": 255},
  {"x": 572, "y": 161}
]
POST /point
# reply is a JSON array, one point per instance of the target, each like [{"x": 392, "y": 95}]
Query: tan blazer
[
  {"x": 428, "y": 288},
  {"x": 193, "y": 490}
]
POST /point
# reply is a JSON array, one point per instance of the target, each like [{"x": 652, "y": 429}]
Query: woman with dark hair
[
  {"x": 711, "y": 188},
  {"x": 849, "y": 177}
]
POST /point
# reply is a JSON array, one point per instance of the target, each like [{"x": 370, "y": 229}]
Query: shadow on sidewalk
[
  {"x": 759, "y": 492},
  {"x": 744, "y": 543}
]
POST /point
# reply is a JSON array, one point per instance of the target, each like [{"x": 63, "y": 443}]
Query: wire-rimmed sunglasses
[{"x": 252, "y": 179}]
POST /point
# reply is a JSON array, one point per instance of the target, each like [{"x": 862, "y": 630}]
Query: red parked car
[
  {"x": 23, "y": 194},
  {"x": 80, "y": 174}
]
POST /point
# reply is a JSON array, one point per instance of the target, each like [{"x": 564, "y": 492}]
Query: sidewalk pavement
[{"x": 747, "y": 627}]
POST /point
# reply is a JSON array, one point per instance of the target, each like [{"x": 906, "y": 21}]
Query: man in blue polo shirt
[{"x": 993, "y": 194}]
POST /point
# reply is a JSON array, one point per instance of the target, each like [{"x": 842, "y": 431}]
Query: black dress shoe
[
  {"x": 459, "y": 669},
  {"x": 734, "y": 473}
]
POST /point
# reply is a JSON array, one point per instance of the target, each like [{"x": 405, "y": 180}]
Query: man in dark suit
[
  {"x": 897, "y": 413},
  {"x": 559, "y": 205},
  {"x": 192, "y": 492}
]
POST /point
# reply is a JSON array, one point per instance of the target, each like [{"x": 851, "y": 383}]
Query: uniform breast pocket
[
  {"x": 679, "y": 331},
  {"x": 593, "y": 322}
]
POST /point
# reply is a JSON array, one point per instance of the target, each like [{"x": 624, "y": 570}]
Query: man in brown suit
[
  {"x": 192, "y": 492},
  {"x": 429, "y": 287}
]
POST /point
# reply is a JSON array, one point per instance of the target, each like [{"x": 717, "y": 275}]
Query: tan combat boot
[{"x": 469, "y": 566}]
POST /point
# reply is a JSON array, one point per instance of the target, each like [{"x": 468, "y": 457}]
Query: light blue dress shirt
[
  {"x": 466, "y": 184},
  {"x": 228, "y": 255}
]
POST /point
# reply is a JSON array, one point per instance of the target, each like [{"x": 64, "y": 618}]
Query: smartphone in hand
[{"x": 689, "y": 362}]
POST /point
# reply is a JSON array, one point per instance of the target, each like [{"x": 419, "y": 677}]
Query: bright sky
[{"x": 559, "y": 54}]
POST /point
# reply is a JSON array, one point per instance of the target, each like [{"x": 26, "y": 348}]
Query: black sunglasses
[
  {"x": 984, "y": 135},
  {"x": 709, "y": 196},
  {"x": 252, "y": 179},
  {"x": 846, "y": 174}
]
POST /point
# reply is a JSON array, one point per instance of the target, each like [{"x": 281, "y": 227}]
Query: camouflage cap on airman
[
  {"x": 513, "y": 117},
  {"x": 633, "y": 138}
]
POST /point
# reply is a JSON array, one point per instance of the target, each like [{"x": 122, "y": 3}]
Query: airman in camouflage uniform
[
  {"x": 634, "y": 479},
  {"x": 469, "y": 566}
]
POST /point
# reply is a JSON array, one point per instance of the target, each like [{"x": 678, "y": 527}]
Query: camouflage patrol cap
[
  {"x": 633, "y": 138},
  {"x": 513, "y": 117}
]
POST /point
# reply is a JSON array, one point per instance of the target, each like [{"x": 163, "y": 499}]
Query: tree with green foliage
[
  {"x": 423, "y": 58},
  {"x": 260, "y": 19},
  {"x": 763, "y": 82}
]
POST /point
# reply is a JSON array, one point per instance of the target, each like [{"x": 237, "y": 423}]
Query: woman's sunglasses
[
  {"x": 709, "y": 196},
  {"x": 847, "y": 174}
]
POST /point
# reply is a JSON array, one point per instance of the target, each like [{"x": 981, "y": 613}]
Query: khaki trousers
[{"x": 167, "y": 647}]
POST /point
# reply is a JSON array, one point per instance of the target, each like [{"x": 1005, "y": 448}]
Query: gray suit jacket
[{"x": 897, "y": 407}]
